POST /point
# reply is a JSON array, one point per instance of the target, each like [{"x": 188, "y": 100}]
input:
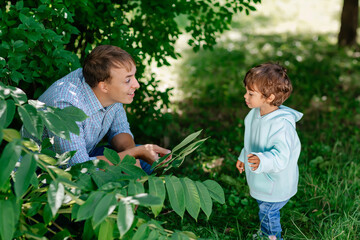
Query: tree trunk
[{"x": 349, "y": 23}]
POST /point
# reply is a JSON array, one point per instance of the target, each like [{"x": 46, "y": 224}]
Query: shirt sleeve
[
  {"x": 278, "y": 157},
  {"x": 76, "y": 143},
  {"x": 120, "y": 124},
  {"x": 242, "y": 156}
]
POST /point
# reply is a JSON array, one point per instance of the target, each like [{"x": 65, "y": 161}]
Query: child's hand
[
  {"x": 240, "y": 165},
  {"x": 254, "y": 161}
]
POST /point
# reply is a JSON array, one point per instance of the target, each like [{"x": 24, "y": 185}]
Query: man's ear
[
  {"x": 270, "y": 98},
  {"x": 103, "y": 86}
]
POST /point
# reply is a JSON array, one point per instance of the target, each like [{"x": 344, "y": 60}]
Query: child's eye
[
  {"x": 250, "y": 94},
  {"x": 127, "y": 80}
]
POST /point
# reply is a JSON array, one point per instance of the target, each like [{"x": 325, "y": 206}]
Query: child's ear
[{"x": 270, "y": 98}]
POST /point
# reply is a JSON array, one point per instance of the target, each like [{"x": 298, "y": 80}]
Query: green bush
[
  {"x": 41, "y": 196},
  {"x": 44, "y": 40}
]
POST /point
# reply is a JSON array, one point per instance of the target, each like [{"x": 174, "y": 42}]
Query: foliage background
[
  {"x": 302, "y": 36},
  {"x": 208, "y": 94}
]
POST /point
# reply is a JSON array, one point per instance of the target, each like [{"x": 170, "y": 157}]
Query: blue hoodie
[{"x": 274, "y": 140}]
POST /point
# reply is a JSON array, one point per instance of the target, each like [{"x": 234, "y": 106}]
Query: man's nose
[{"x": 136, "y": 84}]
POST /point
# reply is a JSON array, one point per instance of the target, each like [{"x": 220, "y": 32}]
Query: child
[{"x": 271, "y": 144}]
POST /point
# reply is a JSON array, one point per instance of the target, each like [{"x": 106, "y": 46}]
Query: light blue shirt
[
  {"x": 72, "y": 90},
  {"x": 273, "y": 138}
]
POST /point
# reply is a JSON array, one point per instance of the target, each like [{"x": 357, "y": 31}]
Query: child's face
[{"x": 254, "y": 99}]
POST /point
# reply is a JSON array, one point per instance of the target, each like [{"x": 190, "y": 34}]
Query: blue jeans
[
  {"x": 98, "y": 151},
  {"x": 269, "y": 214}
]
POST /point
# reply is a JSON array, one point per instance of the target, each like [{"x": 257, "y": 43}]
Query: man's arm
[{"x": 122, "y": 142}]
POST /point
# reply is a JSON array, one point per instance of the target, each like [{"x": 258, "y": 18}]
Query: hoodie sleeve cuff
[{"x": 241, "y": 157}]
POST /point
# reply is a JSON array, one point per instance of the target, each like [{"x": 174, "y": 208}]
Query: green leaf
[
  {"x": 106, "y": 229},
  {"x": 205, "y": 199},
  {"x": 187, "y": 140},
  {"x": 71, "y": 125},
  {"x": 184, "y": 235},
  {"x": 112, "y": 156},
  {"x": 3, "y": 113},
  {"x": 64, "y": 234},
  {"x": 101, "y": 178},
  {"x": 11, "y": 134},
  {"x": 105, "y": 207},
  {"x": 125, "y": 217},
  {"x": 60, "y": 173},
  {"x": 24, "y": 174},
  {"x": 87, "y": 209},
  {"x": 88, "y": 233},
  {"x": 141, "y": 233},
  {"x": 129, "y": 160},
  {"x": 31, "y": 145},
  {"x": 55, "y": 124},
  {"x": 33, "y": 36},
  {"x": 154, "y": 235},
  {"x": 46, "y": 143},
  {"x": 47, "y": 214},
  {"x": 32, "y": 122},
  {"x": 192, "y": 199},
  {"x": 157, "y": 188},
  {"x": 160, "y": 161},
  {"x": 185, "y": 152},
  {"x": 47, "y": 159},
  {"x": 176, "y": 194},
  {"x": 34, "y": 180},
  {"x": 15, "y": 75},
  {"x": 74, "y": 113},
  {"x": 10, "y": 112},
  {"x": 9, "y": 157},
  {"x": 215, "y": 190},
  {"x": 132, "y": 170},
  {"x": 18, "y": 95},
  {"x": 7, "y": 111},
  {"x": 8, "y": 218},
  {"x": 145, "y": 199},
  {"x": 135, "y": 187},
  {"x": 55, "y": 194}
]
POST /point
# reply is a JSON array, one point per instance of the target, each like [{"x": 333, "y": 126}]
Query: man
[{"x": 106, "y": 82}]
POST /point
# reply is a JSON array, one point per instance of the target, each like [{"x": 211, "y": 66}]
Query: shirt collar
[{"x": 93, "y": 102}]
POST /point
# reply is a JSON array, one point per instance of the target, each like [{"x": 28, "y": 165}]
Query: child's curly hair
[{"x": 269, "y": 78}]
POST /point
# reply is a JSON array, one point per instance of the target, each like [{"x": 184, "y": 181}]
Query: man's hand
[
  {"x": 151, "y": 152},
  {"x": 254, "y": 161},
  {"x": 240, "y": 165}
]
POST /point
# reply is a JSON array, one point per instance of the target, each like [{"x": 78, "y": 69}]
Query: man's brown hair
[
  {"x": 98, "y": 63},
  {"x": 269, "y": 78}
]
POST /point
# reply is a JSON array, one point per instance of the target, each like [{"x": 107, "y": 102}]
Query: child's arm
[
  {"x": 285, "y": 148},
  {"x": 240, "y": 162},
  {"x": 240, "y": 165}
]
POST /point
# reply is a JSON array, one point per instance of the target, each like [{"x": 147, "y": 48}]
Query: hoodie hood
[{"x": 286, "y": 113}]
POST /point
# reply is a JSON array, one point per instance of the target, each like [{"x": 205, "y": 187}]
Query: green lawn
[{"x": 326, "y": 89}]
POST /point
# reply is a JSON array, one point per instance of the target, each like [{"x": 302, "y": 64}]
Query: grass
[{"x": 326, "y": 90}]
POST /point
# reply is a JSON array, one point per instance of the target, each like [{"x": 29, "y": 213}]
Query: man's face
[{"x": 122, "y": 85}]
